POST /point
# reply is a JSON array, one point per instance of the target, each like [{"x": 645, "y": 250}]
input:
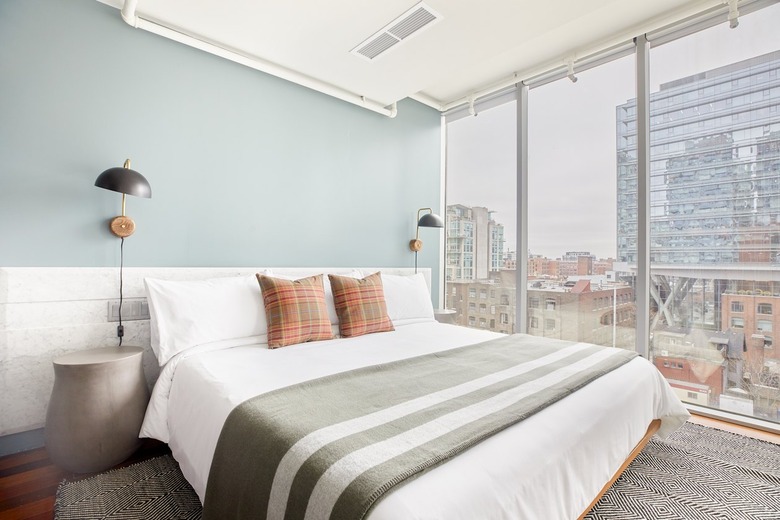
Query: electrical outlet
[{"x": 132, "y": 309}]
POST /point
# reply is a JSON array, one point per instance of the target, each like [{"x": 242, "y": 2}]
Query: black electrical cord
[{"x": 120, "y": 330}]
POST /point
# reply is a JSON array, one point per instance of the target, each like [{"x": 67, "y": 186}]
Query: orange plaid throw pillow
[
  {"x": 295, "y": 310},
  {"x": 360, "y": 305}
]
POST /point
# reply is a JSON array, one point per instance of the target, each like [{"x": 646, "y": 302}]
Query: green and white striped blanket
[{"x": 331, "y": 447}]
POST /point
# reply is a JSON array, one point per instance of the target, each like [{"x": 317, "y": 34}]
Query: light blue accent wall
[{"x": 246, "y": 169}]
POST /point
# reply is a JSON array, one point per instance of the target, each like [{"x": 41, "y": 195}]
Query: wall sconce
[
  {"x": 429, "y": 219},
  {"x": 127, "y": 182}
]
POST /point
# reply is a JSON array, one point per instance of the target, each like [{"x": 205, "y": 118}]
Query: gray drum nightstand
[{"x": 96, "y": 408}]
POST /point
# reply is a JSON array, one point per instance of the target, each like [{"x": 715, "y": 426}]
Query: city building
[
  {"x": 586, "y": 308},
  {"x": 715, "y": 178},
  {"x": 715, "y": 163},
  {"x": 568, "y": 298},
  {"x": 575, "y": 264},
  {"x": 486, "y": 304},
  {"x": 714, "y": 231},
  {"x": 755, "y": 312},
  {"x": 475, "y": 243},
  {"x": 693, "y": 365},
  {"x": 582, "y": 310},
  {"x": 570, "y": 264},
  {"x": 510, "y": 260},
  {"x": 542, "y": 267},
  {"x": 603, "y": 265},
  {"x": 725, "y": 370}
]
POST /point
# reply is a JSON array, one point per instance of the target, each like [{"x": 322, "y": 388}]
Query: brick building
[
  {"x": 571, "y": 264},
  {"x": 756, "y": 313},
  {"x": 486, "y": 304},
  {"x": 580, "y": 311},
  {"x": 724, "y": 369}
]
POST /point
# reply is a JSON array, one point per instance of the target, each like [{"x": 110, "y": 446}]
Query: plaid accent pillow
[
  {"x": 360, "y": 305},
  {"x": 295, "y": 310}
]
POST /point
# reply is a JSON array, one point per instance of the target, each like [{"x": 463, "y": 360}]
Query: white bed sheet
[{"x": 549, "y": 466}]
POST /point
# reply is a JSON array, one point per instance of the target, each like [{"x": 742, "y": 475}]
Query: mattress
[{"x": 549, "y": 466}]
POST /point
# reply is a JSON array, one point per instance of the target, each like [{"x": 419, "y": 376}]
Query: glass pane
[
  {"x": 715, "y": 217},
  {"x": 579, "y": 289},
  {"x": 481, "y": 219}
]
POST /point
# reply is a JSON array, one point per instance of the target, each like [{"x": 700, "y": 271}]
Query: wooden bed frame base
[{"x": 654, "y": 426}]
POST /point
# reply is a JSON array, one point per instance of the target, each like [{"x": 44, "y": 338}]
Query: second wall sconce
[{"x": 430, "y": 219}]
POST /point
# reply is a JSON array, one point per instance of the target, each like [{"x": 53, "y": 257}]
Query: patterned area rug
[
  {"x": 153, "y": 489},
  {"x": 698, "y": 473}
]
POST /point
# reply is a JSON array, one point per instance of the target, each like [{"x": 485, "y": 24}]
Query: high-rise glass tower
[
  {"x": 715, "y": 167},
  {"x": 475, "y": 243},
  {"x": 714, "y": 232}
]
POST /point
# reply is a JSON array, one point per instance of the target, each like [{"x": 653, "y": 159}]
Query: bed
[{"x": 551, "y": 465}]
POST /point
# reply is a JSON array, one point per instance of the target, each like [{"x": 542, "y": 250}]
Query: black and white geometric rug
[
  {"x": 153, "y": 489},
  {"x": 697, "y": 473}
]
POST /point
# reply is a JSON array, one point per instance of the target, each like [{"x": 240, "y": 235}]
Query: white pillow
[
  {"x": 407, "y": 298},
  {"x": 185, "y": 314}
]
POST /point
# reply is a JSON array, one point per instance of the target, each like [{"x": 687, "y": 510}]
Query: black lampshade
[
  {"x": 430, "y": 220},
  {"x": 124, "y": 180}
]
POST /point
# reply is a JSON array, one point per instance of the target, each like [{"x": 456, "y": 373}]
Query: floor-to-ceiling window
[
  {"x": 577, "y": 289},
  {"x": 481, "y": 217},
  {"x": 714, "y": 211},
  {"x": 715, "y": 215}
]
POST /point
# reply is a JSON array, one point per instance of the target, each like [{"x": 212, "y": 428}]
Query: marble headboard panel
[{"x": 49, "y": 311}]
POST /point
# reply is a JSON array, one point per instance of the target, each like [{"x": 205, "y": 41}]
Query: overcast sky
[{"x": 572, "y": 135}]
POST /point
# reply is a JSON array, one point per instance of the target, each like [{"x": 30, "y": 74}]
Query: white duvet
[{"x": 549, "y": 466}]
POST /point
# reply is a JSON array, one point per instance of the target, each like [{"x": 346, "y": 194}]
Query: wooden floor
[
  {"x": 29, "y": 480},
  {"x": 735, "y": 428}
]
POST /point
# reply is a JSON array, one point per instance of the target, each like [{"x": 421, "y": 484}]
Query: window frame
[{"x": 640, "y": 48}]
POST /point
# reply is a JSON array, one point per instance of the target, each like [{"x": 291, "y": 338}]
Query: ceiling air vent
[{"x": 406, "y": 25}]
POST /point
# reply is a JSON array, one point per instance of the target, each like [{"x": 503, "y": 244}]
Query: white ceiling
[{"x": 476, "y": 44}]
